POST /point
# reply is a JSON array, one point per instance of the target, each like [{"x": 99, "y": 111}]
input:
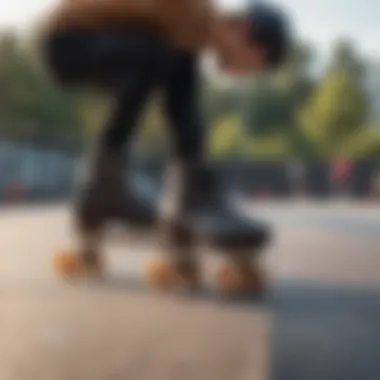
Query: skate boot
[
  {"x": 199, "y": 207},
  {"x": 106, "y": 195},
  {"x": 216, "y": 220},
  {"x": 103, "y": 198}
]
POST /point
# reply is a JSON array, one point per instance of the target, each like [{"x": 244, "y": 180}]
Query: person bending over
[{"x": 130, "y": 49}]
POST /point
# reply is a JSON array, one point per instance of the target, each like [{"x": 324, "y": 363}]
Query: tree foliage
[
  {"x": 31, "y": 107},
  {"x": 338, "y": 108}
]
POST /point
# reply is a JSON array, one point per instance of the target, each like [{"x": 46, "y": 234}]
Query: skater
[{"x": 130, "y": 49}]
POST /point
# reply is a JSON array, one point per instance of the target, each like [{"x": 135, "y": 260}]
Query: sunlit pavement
[{"x": 319, "y": 320}]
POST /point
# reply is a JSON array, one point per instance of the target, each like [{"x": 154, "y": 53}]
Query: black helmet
[{"x": 270, "y": 28}]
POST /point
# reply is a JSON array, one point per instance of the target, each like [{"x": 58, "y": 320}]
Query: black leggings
[{"x": 130, "y": 65}]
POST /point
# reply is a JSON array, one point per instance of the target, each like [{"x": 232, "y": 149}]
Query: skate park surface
[{"x": 319, "y": 320}]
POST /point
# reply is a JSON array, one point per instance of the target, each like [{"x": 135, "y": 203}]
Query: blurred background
[{"x": 312, "y": 128}]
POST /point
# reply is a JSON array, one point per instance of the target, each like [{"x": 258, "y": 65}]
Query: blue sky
[{"x": 318, "y": 21}]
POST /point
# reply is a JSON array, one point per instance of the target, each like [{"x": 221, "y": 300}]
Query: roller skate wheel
[
  {"x": 159, "y": 274},
  {"x": 232, "y": 280},
  {"x": 66, "y": 264}
]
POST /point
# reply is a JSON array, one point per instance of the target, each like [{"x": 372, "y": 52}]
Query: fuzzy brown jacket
[{"x": 183, "y": 22}]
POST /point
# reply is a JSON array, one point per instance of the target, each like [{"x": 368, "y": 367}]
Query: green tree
[
  {"x": 31, "y": 107},
  {"x": 337, "y": 110},
  {"x": 345, "y": 57},
  {"x": 225, "y": 137},
  {"x": 274, "y": 102},
  {"x": 276, "y": 146},
  {"x": 365, "y": 144},
  {"x": 217, "y": 101}
]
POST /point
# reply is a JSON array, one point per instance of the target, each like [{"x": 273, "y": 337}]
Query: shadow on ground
[{"x": 323, "y": 332}]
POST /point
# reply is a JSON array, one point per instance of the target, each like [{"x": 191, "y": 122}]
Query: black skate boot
[
  {"x": 207, "y": 211},
  {"x": 105, "y": 195}
]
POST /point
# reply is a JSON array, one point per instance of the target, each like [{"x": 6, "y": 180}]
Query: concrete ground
[{"x": 319, "y": 320}]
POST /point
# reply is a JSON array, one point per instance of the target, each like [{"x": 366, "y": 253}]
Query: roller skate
[
  {"x": 204, "y": 214},
  {"x": 239, "y": 239},
  {"x": 103, "y": 198}
]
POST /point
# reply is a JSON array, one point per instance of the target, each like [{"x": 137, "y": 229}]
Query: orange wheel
[
  {"x": 159, "y": 274},
  {"x": 234, "y": 280},
  {"x": 66, "y": 264}
]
